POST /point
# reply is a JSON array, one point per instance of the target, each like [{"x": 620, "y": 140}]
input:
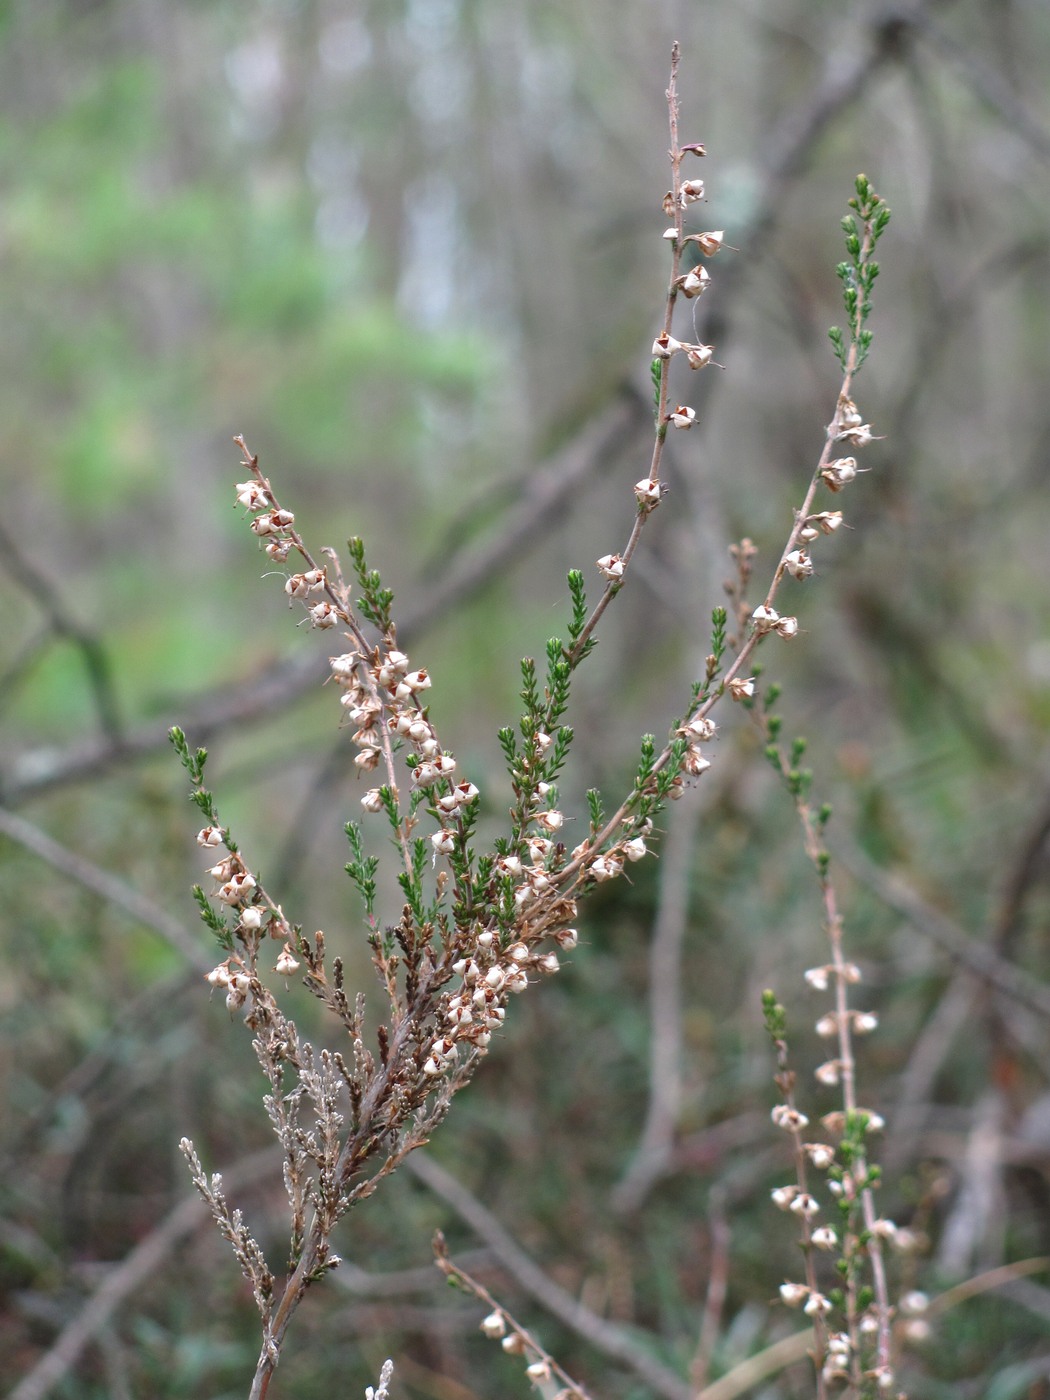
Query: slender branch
[{"x": 613, "y": 1341}]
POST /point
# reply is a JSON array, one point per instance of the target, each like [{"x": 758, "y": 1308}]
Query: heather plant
[{"x": 479, "y": 921}]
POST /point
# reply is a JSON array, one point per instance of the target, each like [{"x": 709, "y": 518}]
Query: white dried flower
[
  {"x": 700, "y": 729},
  {"x": 710, "y": 243},
  {"x": 635, "y": 849},
  {"x": 286, "y": 962},
  {"x": 209, "y": 836},
  {"x": 793, "y": 1294},
  {"x": 237, "y": 889},
  {"x": 798, "y": 564},
  {"x": 805, "y": 1204},
  {"x": 817, "y": 1306},
  {"x": 683, "y": 417},
  {"x": 828, "y": 1025},
  {"x": 782, "y": 1196},
  {"x": 786, "y": 627},
  {"x": 323, "y": 615},
  {"x": 820, "y": 1154},
  {"x": 699, "y": 356},
  {"x": 864, "y": 1022},
  {"x": 859, "y": 436},
  {"x": 742, "y": 687},
  {"x": 648, "y": 492},
  {"x": 839, "y": 473},
  {"x": 824, "y": 1237},
  {"x": 695, "y": 281},
  {"x": 790, "y": 1119},
  {"x": 828, "y": 1073},
  {"x": 764, "y": 619},
  {"x": 664, "y": 346},
  {"x": 251, "y": 495},
  {"x": 373, "y": 800},
  {"x": 612, "y": 567},
  {"x": 817, "y": 977},
  {"x": 606, "y": 868}
]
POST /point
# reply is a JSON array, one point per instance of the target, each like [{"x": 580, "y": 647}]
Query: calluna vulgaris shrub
[{"x": 478, "y": 927}]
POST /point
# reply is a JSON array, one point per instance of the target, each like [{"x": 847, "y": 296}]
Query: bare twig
[
  {"x": 608, "y": 1338},
  {"x": 141, "y": 1264},
  {"x": 108, "y": 887}
]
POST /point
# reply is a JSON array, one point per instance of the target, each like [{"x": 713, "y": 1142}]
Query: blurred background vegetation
[{"x": 411, "y": 249}]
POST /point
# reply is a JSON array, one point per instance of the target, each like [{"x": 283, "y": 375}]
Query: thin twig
[
  {"x": 608, "y": 1338},
  {"x": 144, "y": 1261},
  {"x": 108, "y": 887}
]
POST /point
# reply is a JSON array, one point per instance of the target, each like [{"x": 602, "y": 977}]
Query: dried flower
[
  {"x": 806, "y": 1205},
  {"x": 793, "y": 1294},
  {"x": 839, "y": 473},
  {"x": 694, "y": 282},
  {"x": 251, "y": 495},
  {"x": 764, "y": 619},
  {"x": 648, "y": 492},
  {"x": 683, "y": 417},
  {"x": 323, "y": 615},
  {"x": 798, "y": 564},
  {"x": 612, "y": 567},
  {"x": 699, "y": 356},
  {"x": 790, "y": 1119},
  {"x": 664, "y": 346},
  {"x": 286, "y": 963}
]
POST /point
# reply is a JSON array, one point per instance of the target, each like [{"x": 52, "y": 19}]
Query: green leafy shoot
[
  {"x": 596, "y": 810},
  {"x": 863, "y": 230},
  {"x": 362, "y": 869},
  {"x": 213, "y": 919},
  {"x": 375, "y": 600}
]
